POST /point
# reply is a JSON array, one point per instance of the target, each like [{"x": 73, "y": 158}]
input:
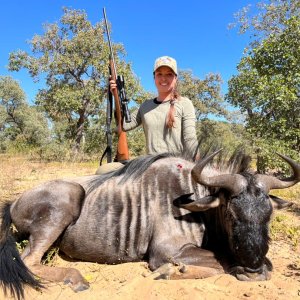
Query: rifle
[{"x": 120, "y": 101}]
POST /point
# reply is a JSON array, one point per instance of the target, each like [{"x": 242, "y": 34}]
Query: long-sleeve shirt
[{"x": 152, "y": 115}]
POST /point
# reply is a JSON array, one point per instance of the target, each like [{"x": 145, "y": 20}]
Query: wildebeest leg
[
  {"x": 170, "y": 271},
  {"x": 191, "y": 263},
  {"x": 44, "y": 213},
  {"x": 33, "y": 257},
  {"x": 195, "y": 272}
]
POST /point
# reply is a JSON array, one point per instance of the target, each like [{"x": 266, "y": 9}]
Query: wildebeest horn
[
  {"x": 231, "y": 182},
  {"x": 271, "y": 182}
]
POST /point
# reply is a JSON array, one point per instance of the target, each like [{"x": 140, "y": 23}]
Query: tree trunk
[{"x": 79, "y": 133}]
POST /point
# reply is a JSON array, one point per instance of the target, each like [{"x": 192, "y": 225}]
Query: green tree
[
  {"x": 205, "y": 94},
  {"x": 267, "y": 87},
  {"x": 18, "y": 121},
  {"x": 267, "y": 17},
  {"x": 73, "y": 56},
  {"x": 220, "y": 134}
]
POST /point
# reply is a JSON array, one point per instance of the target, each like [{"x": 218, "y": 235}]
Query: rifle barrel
[{"x": 109, "y": 43}]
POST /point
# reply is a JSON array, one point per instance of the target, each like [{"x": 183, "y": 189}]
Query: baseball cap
[{"x": 166, "y": 61}]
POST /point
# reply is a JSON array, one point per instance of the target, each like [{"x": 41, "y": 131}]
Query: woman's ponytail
[{"x": 170, "y": 120}]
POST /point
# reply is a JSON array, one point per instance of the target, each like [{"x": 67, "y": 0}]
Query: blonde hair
[{"x": 170, "y": 120}]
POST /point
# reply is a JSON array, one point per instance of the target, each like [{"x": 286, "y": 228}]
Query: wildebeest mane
[
  {"x": 238, "y": 162},
  {"x": 132, "y": 170},
  {"x": 230, "y": 161}
]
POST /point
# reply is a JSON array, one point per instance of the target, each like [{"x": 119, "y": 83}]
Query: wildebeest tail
[{"x": 13, "y": 272}]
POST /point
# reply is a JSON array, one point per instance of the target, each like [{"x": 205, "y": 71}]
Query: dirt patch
[{"x": 130, "y": 281}]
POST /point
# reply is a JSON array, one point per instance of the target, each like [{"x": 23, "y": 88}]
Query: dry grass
[
  {"x": 292, "y": 194},
  {"x": 17, "y": 173}
]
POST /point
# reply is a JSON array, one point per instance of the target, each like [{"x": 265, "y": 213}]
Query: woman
[{"x": 169, "y": 119}]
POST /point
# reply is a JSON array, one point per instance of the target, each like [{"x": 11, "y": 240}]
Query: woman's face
[{"x": 165, "y": 80}]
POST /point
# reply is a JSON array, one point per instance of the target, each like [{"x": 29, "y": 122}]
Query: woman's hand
[{"x": 112, "y": 85}]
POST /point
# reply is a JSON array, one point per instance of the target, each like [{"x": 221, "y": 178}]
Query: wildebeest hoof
[
  {"x": 253, "y": 277},
  {"x": 165, "y": 271},
  {"x": 81, "y": 287},
  {"x": 182, "y": 268},
  {"x": 77, "y": 287},
  {"x": 244, "y": 274},
  {"x": 67, "y": 281},
  {"x": 162, "y": 276}
]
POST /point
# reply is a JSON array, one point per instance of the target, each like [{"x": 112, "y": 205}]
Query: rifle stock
[{"x": 122, "y": 154}]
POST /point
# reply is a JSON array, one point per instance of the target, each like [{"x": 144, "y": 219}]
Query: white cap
[{"x": 166, "y": 61}]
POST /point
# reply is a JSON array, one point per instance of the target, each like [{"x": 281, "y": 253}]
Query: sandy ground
[
  {"x": 134, "y": 281},
  {"x": 129, "y": 282}
]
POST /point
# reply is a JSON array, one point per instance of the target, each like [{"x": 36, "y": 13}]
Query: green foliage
[
  {"x": 95, "y": 138},
  {"x": 265, "y": 18},
  {"x": 267, "y": 87},
  {"x": 54, "y": 151},
  {"x": 205, "y": 94},
  {"x": 21, "y": 125},
  {"x": 279, "y": 54},
  {"x": 49, "y": 256},
  {"x": 136, "y": 142},
  {"x": 11, "y": 94},
  {"x": 268, "y": 161},
  {"x": 21, "y": 245},
  {"x": 223, "y": 135}
]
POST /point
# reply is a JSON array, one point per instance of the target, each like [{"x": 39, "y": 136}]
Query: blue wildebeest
[{"x": 171, "y": 212}]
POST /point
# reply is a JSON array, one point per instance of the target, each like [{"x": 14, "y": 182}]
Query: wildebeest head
[{"x": 244, "y": 207}]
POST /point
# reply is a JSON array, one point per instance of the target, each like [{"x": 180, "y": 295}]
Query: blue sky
[{"x": 195, "y": 33}]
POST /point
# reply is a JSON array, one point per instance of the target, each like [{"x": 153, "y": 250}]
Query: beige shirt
[{"x": 152, "y": 115}]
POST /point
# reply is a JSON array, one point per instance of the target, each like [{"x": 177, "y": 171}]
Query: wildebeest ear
[
  {"x": 279, "y": 203},
  {"x": 202, "y": 204}
]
